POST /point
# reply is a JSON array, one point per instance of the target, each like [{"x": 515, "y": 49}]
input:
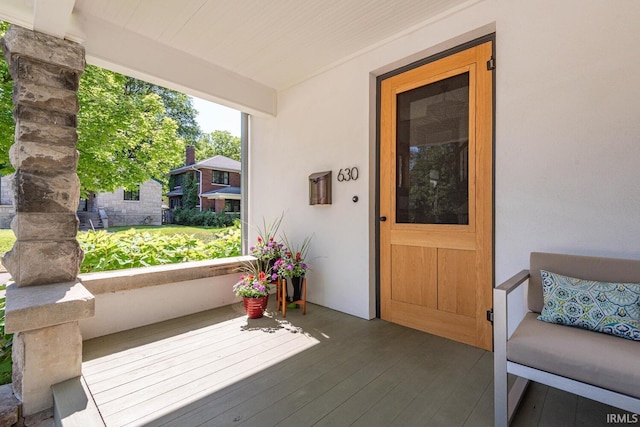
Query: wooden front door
[{"x": 436, "y": 197}]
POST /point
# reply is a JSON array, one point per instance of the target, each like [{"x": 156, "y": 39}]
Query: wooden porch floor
[{"x": 217, "y": 368}]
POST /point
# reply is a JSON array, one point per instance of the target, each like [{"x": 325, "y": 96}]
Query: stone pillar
[
  {"x": 46, "y": 301},
  {"x": 46, "y": 73}
]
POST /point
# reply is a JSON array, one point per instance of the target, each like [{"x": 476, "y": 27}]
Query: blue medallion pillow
[{"x": 611, "y": 308}]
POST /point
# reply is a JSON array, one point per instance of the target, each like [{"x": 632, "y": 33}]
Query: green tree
[
  {"x": 124, "y": 138},
  {"x": 7, "y": 126},
  {"x": 178, "y": 106},
  {"x": 219, "y": 142},
  {"x": 126, "y": 133}
]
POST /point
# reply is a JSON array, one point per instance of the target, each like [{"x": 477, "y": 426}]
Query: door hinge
[
  {"x": 490, "y": 316},
  {"x": 491, "y": 64}
]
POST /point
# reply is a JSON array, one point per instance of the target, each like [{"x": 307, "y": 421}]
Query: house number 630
[{"x": 348, "y": 174}]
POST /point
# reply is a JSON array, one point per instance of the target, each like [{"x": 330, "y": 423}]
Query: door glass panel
[{"x": 432, "y": 153}]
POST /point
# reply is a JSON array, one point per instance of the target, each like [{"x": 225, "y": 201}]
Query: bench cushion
[
  {"x": 583, "y": 267},
  {"x": 611, "y": 308},
  {"x": 590, "y": 357}
]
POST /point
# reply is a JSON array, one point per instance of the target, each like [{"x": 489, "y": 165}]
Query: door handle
[{"x": 383, "y": 218}]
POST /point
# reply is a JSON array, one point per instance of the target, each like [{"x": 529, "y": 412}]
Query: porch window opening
[
  {"x": 132, "y": 195},
  {"x": 220, "y": 178},
  {"x": 154, "y": 184}
]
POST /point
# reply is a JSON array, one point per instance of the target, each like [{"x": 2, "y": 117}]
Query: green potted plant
[
  {"x": 292, "y": 266},
  {"x": 254, "y": 289}
]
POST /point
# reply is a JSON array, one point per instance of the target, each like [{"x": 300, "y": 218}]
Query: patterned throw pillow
[{"x": 612, "y": 308}]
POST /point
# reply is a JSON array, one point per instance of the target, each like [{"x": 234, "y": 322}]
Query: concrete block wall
[
  {"x": 7, "y": 211},
  {"x": 147, "y": 210},
  {"x": 6, "y": 193}
]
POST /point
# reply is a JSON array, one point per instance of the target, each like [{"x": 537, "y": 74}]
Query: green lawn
[
  {"x": 206, "y": 234},
  {"x": 6, "y": 240}
]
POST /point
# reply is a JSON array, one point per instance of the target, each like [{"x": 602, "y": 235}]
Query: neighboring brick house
[
  {"x": 139, "y": 206},
  {"x": 218, "y": 179}
]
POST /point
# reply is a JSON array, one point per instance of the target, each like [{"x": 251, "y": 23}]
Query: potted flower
[
  {"x": 254, "y": 289},
  {"x": 267, "y": 250},
  {"x": 292, "y": 266}
]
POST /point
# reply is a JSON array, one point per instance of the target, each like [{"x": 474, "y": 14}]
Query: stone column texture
[{"x": 46, "y": 73}]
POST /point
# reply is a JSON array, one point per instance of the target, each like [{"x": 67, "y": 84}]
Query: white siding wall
[
  {"x": 125, "y": 212},
  {"x": 567, "y": 141}
]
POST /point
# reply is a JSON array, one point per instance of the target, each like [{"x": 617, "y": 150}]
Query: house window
[
  {"x": 220, "y": 177},
  {"x": 232, "y": 206},
  {"x": 175, "y": 181},
  {"x": 132, "y": 195}
]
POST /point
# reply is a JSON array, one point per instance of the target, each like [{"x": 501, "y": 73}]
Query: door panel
[
  {"x": 436, "y": 189},
  {"x": 456, "y": 282},
  {"x": 418, "y": 283}
]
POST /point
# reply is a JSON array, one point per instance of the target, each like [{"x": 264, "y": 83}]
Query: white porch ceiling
[{"x": 243, "y": 47}]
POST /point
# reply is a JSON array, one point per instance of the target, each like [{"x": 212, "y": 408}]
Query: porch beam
[
  {"x": 17, "y": 12},
  {"x": 52, "y": 16},
  {"x": 131, "y": 54}
]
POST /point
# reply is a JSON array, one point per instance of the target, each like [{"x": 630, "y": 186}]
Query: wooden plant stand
[{"x": 282, "y": 296}]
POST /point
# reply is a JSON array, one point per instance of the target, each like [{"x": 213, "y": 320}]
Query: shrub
[
  {"x": 228, "y": 244},
  {"x": 195, "y": 217},
  {"x": 129, "y": 249}
]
